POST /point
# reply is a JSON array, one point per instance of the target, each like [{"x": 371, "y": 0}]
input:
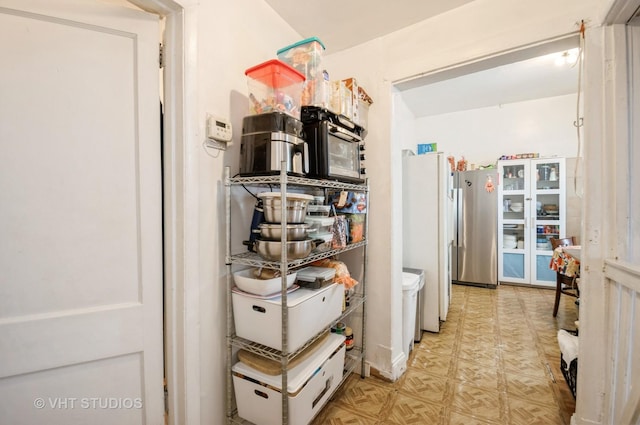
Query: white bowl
[
  {"x": 247, "y": 282},
  {"x": 516, "y": 209},
  {"x": 509, "y": 244}
]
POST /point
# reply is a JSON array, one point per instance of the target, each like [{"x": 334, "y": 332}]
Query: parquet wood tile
[
  {"x": 487, "y": 354},
  {"x": 335, "y": 414},
  {"x": 520, "y": 347},
  {"x": 494, "y": 362},
  {"x": 458, "y": 418},
  {"x": 369, "y": 397},
  {"x": 477, "y": 374},
  {"x": 424, "y": 385},
  {"x": 409, "y": 410},
  {"x": 535, "y": 389},
  {"x": 434, "y": 363},
  {"x": 523, "y": 412},
  {"x": 478, "y": 402}
]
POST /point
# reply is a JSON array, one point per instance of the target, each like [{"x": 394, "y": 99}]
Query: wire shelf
[
  {"x": 253, "y": 259},
  {"x": 357, "y": 300},
  {"x": 297, "y": 181}
]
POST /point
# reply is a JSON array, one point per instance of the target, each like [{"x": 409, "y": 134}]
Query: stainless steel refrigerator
[{"x": 474, "y": 257}]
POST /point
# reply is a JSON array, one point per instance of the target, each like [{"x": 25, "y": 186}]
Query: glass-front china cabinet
[{"x": 531, "y": 211}]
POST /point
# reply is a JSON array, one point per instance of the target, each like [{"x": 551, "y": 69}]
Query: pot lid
[{"x": 279, "y": 225}]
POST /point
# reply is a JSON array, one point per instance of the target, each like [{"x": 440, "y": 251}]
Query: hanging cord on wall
[
  {"x": 579, "y": 122},
  {"x": 205, "y": 147}
]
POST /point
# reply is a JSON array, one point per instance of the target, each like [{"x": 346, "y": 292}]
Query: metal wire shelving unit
[{"x": 354, "y": 357}]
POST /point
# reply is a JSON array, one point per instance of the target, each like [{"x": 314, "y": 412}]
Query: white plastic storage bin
[
  {"x": 310, "y": 311},
  {"x": 309, "y": 386}
]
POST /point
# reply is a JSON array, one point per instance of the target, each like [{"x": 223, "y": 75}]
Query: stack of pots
[{"x": 269, "y": 243}]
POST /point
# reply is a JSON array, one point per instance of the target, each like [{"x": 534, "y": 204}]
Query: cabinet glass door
[
  {"x": 548, "y": 212},
  {"x": 513, "y": 233}
]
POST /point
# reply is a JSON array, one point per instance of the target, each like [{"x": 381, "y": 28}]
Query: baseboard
[
  {"x": 398, "y": 367},
  {"x": 479, "y": 285}
]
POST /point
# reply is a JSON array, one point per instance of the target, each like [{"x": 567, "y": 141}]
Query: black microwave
[{"x": 336, "y": 146}]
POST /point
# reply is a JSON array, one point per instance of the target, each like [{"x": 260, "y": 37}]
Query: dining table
[
  {"x": 566, "y": 263},
  {"x": 566, "y": 260}
]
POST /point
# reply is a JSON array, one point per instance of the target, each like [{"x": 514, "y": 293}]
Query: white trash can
[
  {"x": 417, "y": 337},
  {"x": 410, "y": 285}
]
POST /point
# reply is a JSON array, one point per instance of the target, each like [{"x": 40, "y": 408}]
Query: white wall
[
  {"x": 404, "y": 124},
  {"x": 224, "y": 39},
  {"x": 483, "y": 135},
  {"x": 470, "y": 32}
]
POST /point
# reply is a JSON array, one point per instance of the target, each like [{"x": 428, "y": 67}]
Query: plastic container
[
  {"x": 363, "y": 114},
  {"x": 315, "y": 277},
  {"x": 309, "y": 386},
  {"x": 410, "y": 285},
  {"x": 306, "y": 57},
  {"x": 356, "y": 227},
  {"x": 310, "y": 311},
  {"x": 319, "y": 225},
  {"x": 318, "y": 210},
  {"x": 352, "y": 203},
  {"x": 327, "y": 243},
  {"x": 340, "y": 99},
  {"x": 274, "y": 86}
]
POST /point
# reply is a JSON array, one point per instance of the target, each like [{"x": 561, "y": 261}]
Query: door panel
[{"x": 81, "y": 251}]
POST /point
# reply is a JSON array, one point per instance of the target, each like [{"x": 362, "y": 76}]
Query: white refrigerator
[{"x": 427, "y": 227}]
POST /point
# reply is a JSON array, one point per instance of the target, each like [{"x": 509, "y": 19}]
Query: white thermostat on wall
[{"x": 219, "y": 129}]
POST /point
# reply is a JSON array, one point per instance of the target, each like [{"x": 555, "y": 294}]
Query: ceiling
[
  {"x": 486, "y": 84},
  {"x": 343, "y": 24},
  {"x": 529, "y": 73}
]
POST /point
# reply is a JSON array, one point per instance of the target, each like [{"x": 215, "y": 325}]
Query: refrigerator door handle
[{"x": 460, "y": 219}]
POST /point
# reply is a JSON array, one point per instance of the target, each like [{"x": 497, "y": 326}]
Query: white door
[{"x": 80, "y": 215}]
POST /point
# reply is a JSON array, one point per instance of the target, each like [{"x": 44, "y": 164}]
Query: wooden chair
[{"x": 564, "y": 284}]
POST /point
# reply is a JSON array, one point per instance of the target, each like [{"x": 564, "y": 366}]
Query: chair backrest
[{"x": 568, "y": 241}]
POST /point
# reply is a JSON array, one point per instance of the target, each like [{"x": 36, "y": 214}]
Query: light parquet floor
[{"x": 495, "y": 362}]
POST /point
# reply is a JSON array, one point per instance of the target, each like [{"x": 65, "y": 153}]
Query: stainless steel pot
[
  {"x": 273, "y": 232},
  {"x": 272, "y": 250},
  {"x": 296, "y": 207}
]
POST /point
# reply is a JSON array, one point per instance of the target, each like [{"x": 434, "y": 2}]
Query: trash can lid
[
  {"x": 410, "y": 281},
  {"x": 418, "y": 272}
]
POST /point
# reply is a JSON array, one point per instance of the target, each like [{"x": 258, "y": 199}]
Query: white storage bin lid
[
  {"x": 296, "y": 297},
  {"x": 299, "y": 374}
]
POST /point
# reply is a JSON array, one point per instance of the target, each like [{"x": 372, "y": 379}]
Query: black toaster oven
[{"x": 336, "y": 146}]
